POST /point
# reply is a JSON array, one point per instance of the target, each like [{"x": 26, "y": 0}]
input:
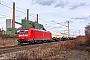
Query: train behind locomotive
[{"x": 30, "y": 35}]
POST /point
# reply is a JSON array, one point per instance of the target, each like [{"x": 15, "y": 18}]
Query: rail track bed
[
  {"x": 53, "y": 51},
  {"x": 4, "y": 50}
]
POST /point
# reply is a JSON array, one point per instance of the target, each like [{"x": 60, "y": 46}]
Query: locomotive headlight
[
  {"x": 26, "y": 35},
  {"x": 20, "y": 35}
]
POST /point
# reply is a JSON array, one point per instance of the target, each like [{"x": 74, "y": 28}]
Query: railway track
[{"x": 5, "y": 50}]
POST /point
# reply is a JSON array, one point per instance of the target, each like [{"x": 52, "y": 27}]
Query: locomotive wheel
[
  {"x": 44, "y": 41},
  {"x": 39, "y": 41},
  {"x": 31, "y": 42},
  {"x": 48, "y": 41},
  {"x": 19, "y": 43}
]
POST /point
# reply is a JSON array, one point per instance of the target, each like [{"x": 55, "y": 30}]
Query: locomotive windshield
[{"x": 23, "y": 31}]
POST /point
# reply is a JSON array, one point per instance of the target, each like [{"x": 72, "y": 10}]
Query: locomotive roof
[
  {"x": 41, "y": 30},
  {"x": 36, "y": 29}
]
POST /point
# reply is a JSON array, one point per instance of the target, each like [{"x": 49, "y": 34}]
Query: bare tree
[{"x": 87, "y": 34}]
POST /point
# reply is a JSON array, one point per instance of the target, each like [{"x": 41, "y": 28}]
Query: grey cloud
[
  {"x": 53, "y": 21},
  {"x": 45, "y": 2},
  {"x": 75, "y": 6},
  {"x": 81, "y": 18},
  {"x": 61, "y": 4}
]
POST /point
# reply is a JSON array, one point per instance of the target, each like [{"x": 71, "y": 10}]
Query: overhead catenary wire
[
  {"x": 25, "y": 13},
  {"x": 4, "y": 15},
  {"x": 17, "y": 10}
]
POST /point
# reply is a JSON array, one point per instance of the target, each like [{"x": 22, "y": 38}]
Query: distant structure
[
  {"x": 25, "y": 23},
  {"x": 8, "y": 23},
  {"x": 13, "y": 16}
]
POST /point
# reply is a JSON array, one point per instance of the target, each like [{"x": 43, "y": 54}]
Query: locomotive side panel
[
  {"x": 41, "y": 35},
  {"x": 47, "y": 35},
  {"x": 31, "y": 35}
]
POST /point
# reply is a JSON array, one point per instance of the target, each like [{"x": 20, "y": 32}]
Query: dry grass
[
  {"x": 44, "y": 52},
  {"x": 58, "y": 51},
  {"x": 81, "y": 39},
  {"x": 8, "y": 42},
  {"x": 53, "y": 51},
  {"x": 86, "y": 52}
]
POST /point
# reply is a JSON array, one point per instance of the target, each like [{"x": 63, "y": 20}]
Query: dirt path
[{"x": 76, "y": 54}]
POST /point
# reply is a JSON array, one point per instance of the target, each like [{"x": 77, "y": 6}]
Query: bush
[
  {"x": 8, "y": 36},
  {"x": 87, "y": 34}
]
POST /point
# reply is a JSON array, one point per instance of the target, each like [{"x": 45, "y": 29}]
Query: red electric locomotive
[{"x": 30, "y": 35}]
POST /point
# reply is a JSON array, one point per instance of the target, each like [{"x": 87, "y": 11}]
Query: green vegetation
[{"x": 86, "y": 52}]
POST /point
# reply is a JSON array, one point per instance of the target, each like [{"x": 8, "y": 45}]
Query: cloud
[
  {"x": 75, "y": 6},
  {"x": 45, "y": 2},
  {"x": 81, "y": 18},
  {"x": 61, "y": 4}
]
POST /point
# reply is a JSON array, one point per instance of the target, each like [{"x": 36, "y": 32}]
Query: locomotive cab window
[{"x": 23, "y": 31}]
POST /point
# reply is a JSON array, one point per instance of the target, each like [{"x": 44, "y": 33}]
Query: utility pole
[
  {"x": 0, "y": 1},
  {"x": 79, "y": 32},
  {"x": 64, "y": 31},
  {"x": 68, "y": 29}
]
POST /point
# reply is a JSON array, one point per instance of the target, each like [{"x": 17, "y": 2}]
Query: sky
[{"x": 53, "y": 14}]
